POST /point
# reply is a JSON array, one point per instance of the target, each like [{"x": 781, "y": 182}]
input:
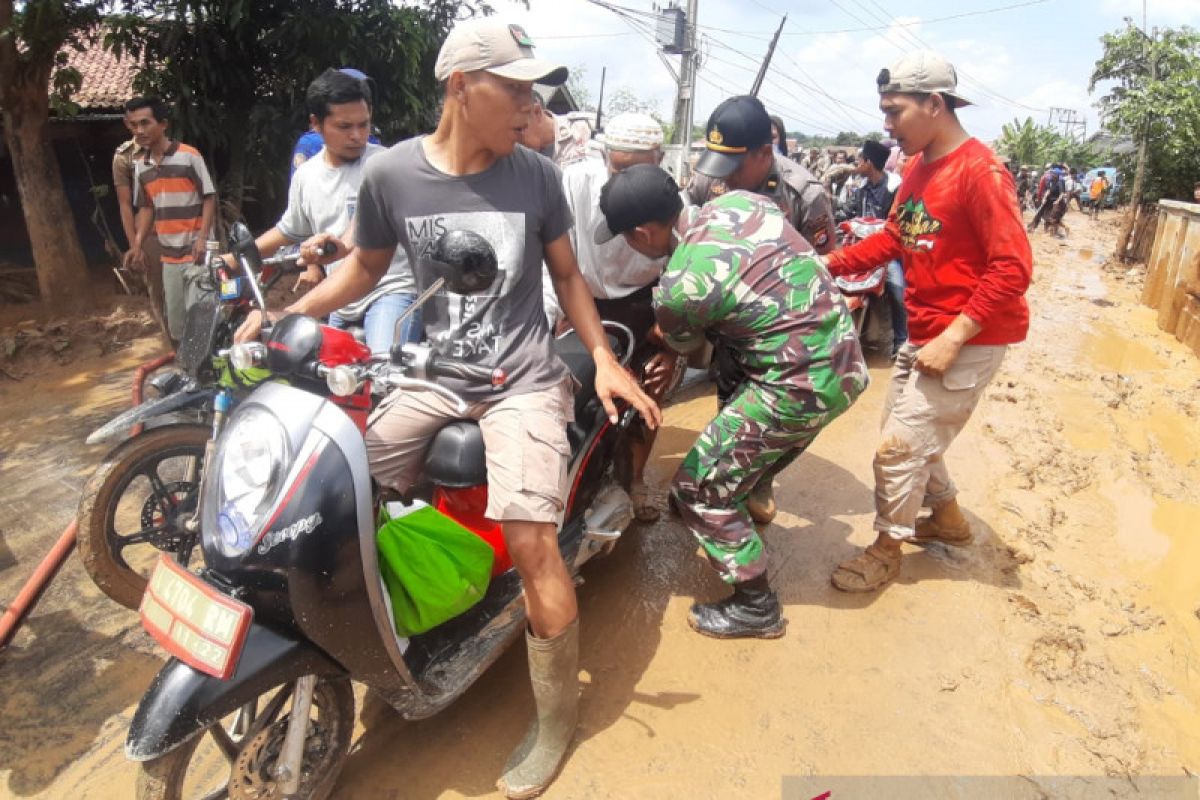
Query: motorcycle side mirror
[
  {"x": 465, "y": 261},
  {"x": 241, "y": 244}
]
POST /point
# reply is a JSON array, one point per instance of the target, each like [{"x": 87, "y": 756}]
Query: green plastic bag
[{"x": 433, "y": 568}]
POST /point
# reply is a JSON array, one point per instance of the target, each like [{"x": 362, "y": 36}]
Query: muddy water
[{"x": 1062, "y": 643}]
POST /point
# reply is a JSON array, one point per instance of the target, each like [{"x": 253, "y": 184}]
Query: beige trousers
[{"x": 921, "y": 417}]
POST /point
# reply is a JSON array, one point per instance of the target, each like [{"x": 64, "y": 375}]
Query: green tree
[
  {"x": 1153, "y": 99},
  {"x": 236, "y": 72},
  {"x": 1026, "y": 142},
  {"x": 848, "y": 137},
  {"x": 34, "y": 39}
]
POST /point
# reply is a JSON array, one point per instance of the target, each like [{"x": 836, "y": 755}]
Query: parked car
[{"x": 1114, "y": 187}]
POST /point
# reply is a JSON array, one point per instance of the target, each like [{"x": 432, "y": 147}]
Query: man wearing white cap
[
  {"x": 620, "y": 278},
  {"x": 957, "y": 229},
  {"x": 469, "y": 174}
]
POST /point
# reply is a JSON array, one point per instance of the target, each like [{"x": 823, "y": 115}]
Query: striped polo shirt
[{"x": 175, "y": 188}]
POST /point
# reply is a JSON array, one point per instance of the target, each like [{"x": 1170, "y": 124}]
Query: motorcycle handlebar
[
  {"x": 443, "y": 367},
  {"x": 288, "y": 261}
]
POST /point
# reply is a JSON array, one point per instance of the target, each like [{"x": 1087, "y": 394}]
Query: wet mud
[{"x": 1062, "y": 642}]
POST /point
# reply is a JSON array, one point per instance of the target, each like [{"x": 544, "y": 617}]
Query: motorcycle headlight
[{"x": 252, "y": 464}]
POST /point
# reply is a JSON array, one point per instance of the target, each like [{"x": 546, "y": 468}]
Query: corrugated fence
[{"x": 1173, "y": 272}]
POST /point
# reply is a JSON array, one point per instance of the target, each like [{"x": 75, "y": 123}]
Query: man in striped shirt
[{"x": 176, "y": 196}]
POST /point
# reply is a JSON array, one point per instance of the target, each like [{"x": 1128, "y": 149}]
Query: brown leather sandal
[{"x": 871, "y": 569}]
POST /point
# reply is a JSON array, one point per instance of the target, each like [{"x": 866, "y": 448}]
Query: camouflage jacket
[{"x": 743, "y": 275}]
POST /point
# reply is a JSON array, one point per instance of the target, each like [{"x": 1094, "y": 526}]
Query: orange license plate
[{"x": 197, "y": 624}]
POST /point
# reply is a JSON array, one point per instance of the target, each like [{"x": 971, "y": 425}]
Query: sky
[{"x": 1017, "y": 60}]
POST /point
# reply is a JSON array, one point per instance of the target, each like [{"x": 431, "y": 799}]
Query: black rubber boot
[{"x": 751, "y": 612}]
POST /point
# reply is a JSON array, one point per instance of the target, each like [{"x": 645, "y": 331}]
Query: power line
[
  {"x": 913, "y": 37},
  {"x": 766, "y": 35}
]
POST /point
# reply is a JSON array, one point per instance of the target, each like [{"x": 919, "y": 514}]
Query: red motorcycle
[{"x": 864, "y": 290}]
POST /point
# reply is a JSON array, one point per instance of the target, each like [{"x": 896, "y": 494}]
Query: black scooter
[{"x": 290, "y": 607}]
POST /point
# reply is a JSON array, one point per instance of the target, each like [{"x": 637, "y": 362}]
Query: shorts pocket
[{"x": 544, "y": 458}]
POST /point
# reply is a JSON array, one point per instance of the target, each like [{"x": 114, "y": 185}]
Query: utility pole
[
  {"x": 762, "y": 70},
  {"x": 685, "y": 98}
]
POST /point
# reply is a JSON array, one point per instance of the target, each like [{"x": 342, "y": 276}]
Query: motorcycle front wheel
[
  {"x": 236, "y": 757},
  {"x": 134, "y": 507}
]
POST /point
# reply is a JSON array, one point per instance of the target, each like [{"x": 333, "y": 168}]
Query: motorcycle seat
[{"x": 455, "y": 457}]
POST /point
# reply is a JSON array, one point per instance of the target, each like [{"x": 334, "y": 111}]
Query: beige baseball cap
[
  {"x": 921, "y": 72},
  {"x": 496, "y": 47}
]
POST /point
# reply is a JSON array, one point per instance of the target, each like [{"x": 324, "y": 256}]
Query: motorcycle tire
[
  {"x": 101, "y": 545},
  {"x": 250, "y": 755}
]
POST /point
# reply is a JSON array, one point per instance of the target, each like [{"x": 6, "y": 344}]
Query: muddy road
[{"x": 1064, "y": 642}]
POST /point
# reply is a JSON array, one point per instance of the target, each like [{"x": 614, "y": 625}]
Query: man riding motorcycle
[{"x": 471, "y": 174}]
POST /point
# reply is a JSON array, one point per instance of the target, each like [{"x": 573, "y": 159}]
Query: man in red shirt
[{"x": 956, "y": 226}]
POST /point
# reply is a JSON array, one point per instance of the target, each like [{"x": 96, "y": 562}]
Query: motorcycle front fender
[
  {"x": 147, "y": 411},
  {"x": 182, "y": 702}
]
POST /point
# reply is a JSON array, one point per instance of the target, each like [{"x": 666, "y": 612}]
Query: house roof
[{"x": 107, "y": 80}]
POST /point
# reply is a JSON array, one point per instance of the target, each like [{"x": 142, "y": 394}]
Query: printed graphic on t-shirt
[
  {"x": 470, "y": 327},
  {"x": 917, "y": 227}
]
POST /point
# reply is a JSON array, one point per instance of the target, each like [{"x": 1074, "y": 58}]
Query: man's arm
[
  {"x": 879, "y": 248},
  {"x": 576, "y": 300},
  {"x": 208, "y": 213},
  {"x": 993, "y": 212},
  {"x": 357, "y": 275},
  {"x": 136, "y": 257},
  {"x": 816, "y": 219}
]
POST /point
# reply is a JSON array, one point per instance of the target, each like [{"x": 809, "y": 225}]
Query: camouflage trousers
[{"x": 746, "y": 442}]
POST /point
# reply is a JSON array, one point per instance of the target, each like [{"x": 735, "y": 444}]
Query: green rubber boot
[{"x": 554, "y": 673}]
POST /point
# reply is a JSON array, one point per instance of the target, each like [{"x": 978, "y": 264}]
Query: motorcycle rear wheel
[
  {"x": 247, "y": 754},
  {"x": 132, "y": 508}
]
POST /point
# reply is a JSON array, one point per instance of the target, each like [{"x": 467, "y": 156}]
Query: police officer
[{"x": 739, "y": 155}]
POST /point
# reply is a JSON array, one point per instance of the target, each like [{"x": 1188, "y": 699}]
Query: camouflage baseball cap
[{"x": 492, "y": 46}]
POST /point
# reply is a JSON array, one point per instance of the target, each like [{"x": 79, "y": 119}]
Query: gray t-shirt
[
  {"x": 517, "y": 204},
  {"x": 322, "y": 199}
]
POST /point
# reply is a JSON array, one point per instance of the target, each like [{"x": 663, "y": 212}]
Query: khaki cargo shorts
[{"x": 524, "y": 439}]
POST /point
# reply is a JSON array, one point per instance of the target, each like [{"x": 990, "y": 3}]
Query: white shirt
[
  {"x": 611, "y": 270},
  {"x": 322, "y": 199}
]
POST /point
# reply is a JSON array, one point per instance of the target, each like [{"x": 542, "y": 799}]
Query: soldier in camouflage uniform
[
  {"x": 741, "y": 275},
  {"x": 739, "y": 155}
]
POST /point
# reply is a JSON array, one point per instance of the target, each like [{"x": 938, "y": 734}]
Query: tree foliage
[
  {"x": 236, "y": 72},
  {"x": 1152, "y": 92},
  {"x": 1034, "y": 145}
]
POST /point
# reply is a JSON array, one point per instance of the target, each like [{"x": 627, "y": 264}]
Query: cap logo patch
[
  {"x": 521, "y": 37},
  {"x": 715, "y": 136}
]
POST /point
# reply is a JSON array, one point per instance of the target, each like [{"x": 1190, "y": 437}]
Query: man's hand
[
  {"x": 134, "y": 259},
  {"x": 659, "y": 370},
  {"x": 198, "y": 252},
  {"x": 252, "y": 327},
  {"x": 309, "y": 278},
  {"x": 311, "y": 251},
  {"x": 613, "y": 381},
  {"x": 938, "y": 355}
]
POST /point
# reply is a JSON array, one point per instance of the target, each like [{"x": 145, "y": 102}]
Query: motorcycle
[
  {"x": 290, "y": 606},
  {"x": 864, "y": 290},
  {"x": 141, "y": 500}
]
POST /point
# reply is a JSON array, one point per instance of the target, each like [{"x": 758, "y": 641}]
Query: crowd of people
[{"x": 743, "y": 256}]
